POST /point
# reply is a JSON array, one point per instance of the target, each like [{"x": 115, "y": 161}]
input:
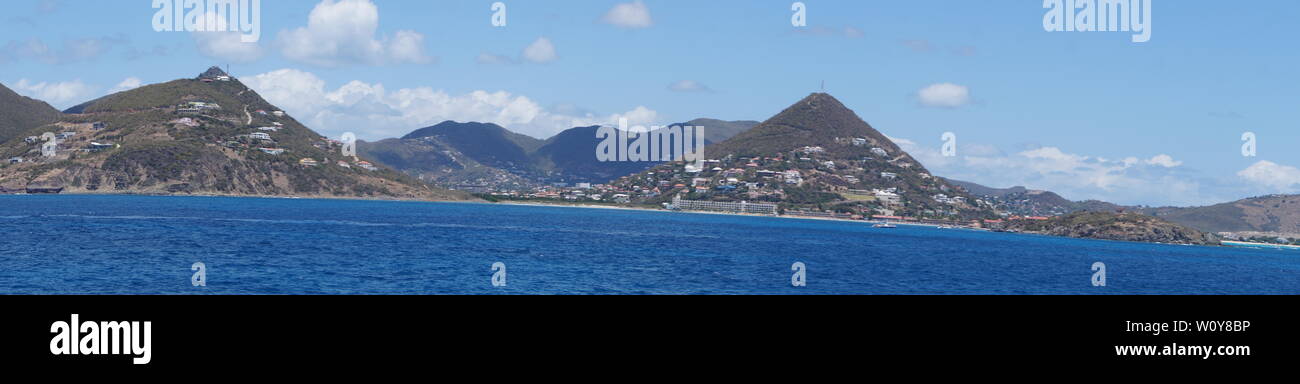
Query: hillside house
[
  {"x": 792, "y": 177},
  {"x": 259, "y": 136},
  {"x": 99, "y": 147},
  {"x": 188, "y": 122}
]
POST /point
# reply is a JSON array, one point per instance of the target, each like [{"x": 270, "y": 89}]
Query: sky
[{"x": 1089, "y": 115}]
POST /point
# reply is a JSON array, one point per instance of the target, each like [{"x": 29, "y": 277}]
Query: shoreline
[
  {"x": 595, "y": 206},
  {"x": 1247, "y": 244},
  {"x": 244, "y": 196},
  {"x": 640, "y": 209}
]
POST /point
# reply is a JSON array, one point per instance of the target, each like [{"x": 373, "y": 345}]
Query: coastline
[
  {"x": 304, "y": 197},
  {"x": 1247, "y": 244},
  {"x": 594, "y": 206},
  {"x": 625, "y": 208}
]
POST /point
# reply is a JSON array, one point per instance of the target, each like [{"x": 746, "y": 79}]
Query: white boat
[{"x": 884, "y": 225}]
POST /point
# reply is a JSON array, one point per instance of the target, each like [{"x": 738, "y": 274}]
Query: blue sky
[{"x": 1086, "y": 114}]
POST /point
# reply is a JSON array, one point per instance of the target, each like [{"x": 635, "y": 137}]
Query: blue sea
[{"x": 70, "y": 244}]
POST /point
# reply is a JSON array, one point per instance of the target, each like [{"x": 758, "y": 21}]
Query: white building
[{"x": 888, "y": 198}]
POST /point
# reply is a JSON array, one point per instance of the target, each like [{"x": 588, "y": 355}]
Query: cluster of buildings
[
  {"x": 197, "y": 107},
  {"x": 51, "y": 144},
  {"x": 742, "y": 207},
  {"x": 221, "y": 78}
]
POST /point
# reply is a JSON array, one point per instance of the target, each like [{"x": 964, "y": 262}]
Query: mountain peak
[
  {"x": 818, "y": 120},
  {"x": 452, "y": 126},
  {"x": 821, "y": 99},
  {"x": 213, "y": 72}
]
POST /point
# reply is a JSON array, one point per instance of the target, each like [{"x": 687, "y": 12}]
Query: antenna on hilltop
[{"x": 823, "y": 86}]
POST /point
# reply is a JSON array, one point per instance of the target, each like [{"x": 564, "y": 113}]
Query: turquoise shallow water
[{"x": 71, "y": 244}]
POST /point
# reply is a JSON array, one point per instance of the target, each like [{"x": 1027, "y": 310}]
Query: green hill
[
  {"x": 1114, "y": 226},
  {"x": 201, "y": 136},
  {"x": 479, "y": 154},
  {"x": 20, "y": 113},
  {"x": 1274, "y": 213},
  {"x": 816, "y": 155}
]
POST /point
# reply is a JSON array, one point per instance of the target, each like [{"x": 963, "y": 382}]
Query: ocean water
[{"x": 70, "y": 244}]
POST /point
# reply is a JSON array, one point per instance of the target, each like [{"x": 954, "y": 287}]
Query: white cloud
[
  {"x": 59, "y": 94},
  {"x": 226, "y": 46},
  {"x": 1271, "y": 175},
  {"x": 1164, "y": 160},
  {"x": 689, "y": 86},
  {"x": 1156, "y": 181},
  {"x": 374, "y": 112},
  {"x": 944, "y": 95},
  {"x": 629, "y": 15},
  {"x": 343, "y": 32},
  {"x": 408, "y": 47},
  {"x": 540, "y": 51},
  {"x": 127, "y": 84}
]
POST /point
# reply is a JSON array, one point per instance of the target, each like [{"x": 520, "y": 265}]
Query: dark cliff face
[{"x": 1114, "y": 226}]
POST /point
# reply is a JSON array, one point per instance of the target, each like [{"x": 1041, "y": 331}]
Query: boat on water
[{"x": 884, "y": 225}]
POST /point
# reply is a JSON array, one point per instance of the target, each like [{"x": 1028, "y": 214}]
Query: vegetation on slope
[{"x": 1114, "y": 226}]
